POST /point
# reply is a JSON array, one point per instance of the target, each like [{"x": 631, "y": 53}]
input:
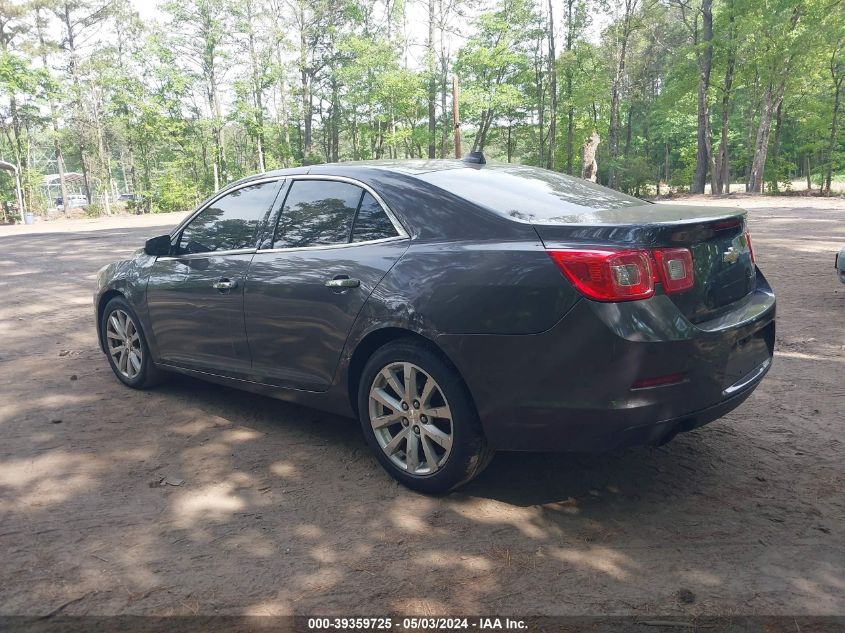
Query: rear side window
[
  {"x": 229, "y": 223},
  {"x": 317, "y": 212},
  {"x": 372, "y": 222},
  {"x": 528, "y": 194}
]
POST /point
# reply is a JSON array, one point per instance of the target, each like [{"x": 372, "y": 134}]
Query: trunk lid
[{"x": 716, "y": 236}]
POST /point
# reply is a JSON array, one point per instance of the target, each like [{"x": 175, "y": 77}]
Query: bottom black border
[{"x": 518, "y": 624}]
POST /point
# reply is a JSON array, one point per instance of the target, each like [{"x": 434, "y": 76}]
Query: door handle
[
  {"x": 343, "y": 282},
  {"x": 225, "y": 284}
]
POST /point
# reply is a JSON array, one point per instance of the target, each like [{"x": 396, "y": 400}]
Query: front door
[
  {"x": 195, "y": 296},
  {"x": 333, "y": 244}
]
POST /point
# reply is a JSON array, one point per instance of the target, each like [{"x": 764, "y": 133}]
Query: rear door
[
  {"x": 195, "y": 296},
  {"x": 333, "y": 243}
]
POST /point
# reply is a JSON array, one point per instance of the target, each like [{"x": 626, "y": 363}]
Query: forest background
[{"x": 170, "y": 101}]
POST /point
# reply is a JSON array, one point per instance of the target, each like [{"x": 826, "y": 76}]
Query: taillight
[
  {"x": 606, "y": 275},
  {"x": 675, "y": 268},
  {"x": 750, "y": 248}
]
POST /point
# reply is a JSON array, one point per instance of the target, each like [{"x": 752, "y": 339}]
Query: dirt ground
[{"x": 270, "y": 508}]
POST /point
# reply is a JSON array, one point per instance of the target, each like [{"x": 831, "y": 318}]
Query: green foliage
[
  {"x": 230, "y": 87},
  {"x": 681, "y": 178},
  {"x": 171, "y": 193},
  {"x": 93, "y": 210},
  {"x": 636, "y": 174}
]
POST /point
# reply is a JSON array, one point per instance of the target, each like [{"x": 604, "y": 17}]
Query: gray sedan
[{"x": 454, "y": 308}]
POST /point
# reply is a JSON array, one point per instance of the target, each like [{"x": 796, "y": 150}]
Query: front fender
[{"x": 127, "y": 278}]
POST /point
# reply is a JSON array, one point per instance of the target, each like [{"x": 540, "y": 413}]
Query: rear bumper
[
  {"x": 570, "y": 388},
  {"x": 657, "y": 433}
]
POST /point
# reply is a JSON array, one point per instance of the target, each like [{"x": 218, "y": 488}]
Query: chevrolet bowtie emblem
[{"x": 730, "y": 256}]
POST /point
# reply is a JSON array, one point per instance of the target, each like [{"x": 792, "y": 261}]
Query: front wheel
[
  {"x": 419, "y": 420},
  {"x": 126, "y": 346}
]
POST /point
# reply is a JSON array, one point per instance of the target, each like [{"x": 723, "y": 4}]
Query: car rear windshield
[{"x": 529, "y": 194}]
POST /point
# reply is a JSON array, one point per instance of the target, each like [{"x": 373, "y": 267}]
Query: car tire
[
  {"x": 412, "y": 427},
  {"x": 129, "y": 356}
]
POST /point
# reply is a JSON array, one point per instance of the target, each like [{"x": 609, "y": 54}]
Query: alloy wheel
[
  {"x": 411, "y": 418},
  {"x": 124, "y": 344}
]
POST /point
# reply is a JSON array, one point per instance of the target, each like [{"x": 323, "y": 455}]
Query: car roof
[
  {"x": 425, "y": 209},
  {"x": 454, "y": 198},
  {"x": 371, "y": 172},
  {"x": 411, "y": 167}
]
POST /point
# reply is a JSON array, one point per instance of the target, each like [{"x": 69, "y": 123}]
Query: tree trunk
[
  {"x": 334, "y": 140},
  {"x": 432, "y": 86},
  {"x": 510, "y": 141},
  {"x": 355, "y": 152},
  {"x": 307, "y": 113},
  {"x": 552, "y": 90},
  {"x": 570, "y": 110},
  {"x": 776, "y": 144},
  {"x": 834, "y": 125},
  {"x": 838, "y": 78},
  {"x": 444, "y": 112},
  {"x": 539, "y": 79},
  {"x": 257, "y": 96},
  {"x": 456, "y": 115},
  {"x": 723, "y": 167},
  {"x": 83, "y": 159},
  {"x": 481, "y": 137},
  {"x": 705, "y": 64},
  {"x": 105, "y": 160},
  {"x": 214, "y": 99},
  {"x": 70, "y": 39},
  {"x": 708, "y": 133},
  {"x": 615, "y": 93},
  {"x": 589, "y": 166},
  {"x": 771, "y": 102},
  {"x": 752, "y": 107},
  {"x": 808, "y": 172},
  {"x": 444, "y": 86},
  {"x": 54, "y": 119}
]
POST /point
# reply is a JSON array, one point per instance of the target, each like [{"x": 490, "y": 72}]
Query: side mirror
[{"x": 158, "y": 246}]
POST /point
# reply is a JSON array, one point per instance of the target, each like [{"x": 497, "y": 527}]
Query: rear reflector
[
  {"x": 659, "y": 381},
  {"x": 606, "y": 275}
]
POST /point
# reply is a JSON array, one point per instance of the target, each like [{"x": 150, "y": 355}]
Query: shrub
[
  {"x": 681, "y": 179},
  {"x": 637, "y": 173},
  {"x": 170, "y": 193}
]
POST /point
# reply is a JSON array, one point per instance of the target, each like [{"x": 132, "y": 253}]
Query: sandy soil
[{"x": 194, "y": 498}]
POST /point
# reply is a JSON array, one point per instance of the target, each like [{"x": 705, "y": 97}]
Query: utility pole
[{"x": 456, "y": 119}]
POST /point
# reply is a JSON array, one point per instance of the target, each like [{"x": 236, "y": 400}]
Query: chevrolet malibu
[{"x": 455, "y": 308}]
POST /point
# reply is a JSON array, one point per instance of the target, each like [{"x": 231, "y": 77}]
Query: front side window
[
  {"x": 317, "y": 212},
  {"x": 229, "y": 223}
]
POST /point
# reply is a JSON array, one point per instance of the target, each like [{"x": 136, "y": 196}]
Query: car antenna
[{"x": 475, "y": 158}]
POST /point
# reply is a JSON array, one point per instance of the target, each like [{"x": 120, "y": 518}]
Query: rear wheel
[
  {"x": 419, "y": 419},
  {"x": 126, "y": 346}
]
